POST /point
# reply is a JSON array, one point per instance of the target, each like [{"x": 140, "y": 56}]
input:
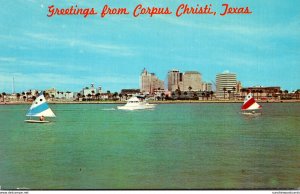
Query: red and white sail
[{"x": 250, "y": 103}]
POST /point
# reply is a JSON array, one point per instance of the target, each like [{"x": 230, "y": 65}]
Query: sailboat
[
  {"x": 39, "y": 108},
  {"x": 250, "y": 106}
]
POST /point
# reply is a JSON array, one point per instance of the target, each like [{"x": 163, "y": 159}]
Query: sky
[{"x": 71, "y": 52}]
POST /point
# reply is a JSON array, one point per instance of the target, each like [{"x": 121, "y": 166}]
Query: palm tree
[
  {"x": 126, "y": 96},
  {"x": 27, "y": 94},
  {"x": 47, "y": 96},
  {"x": 203, "y": 95},
  {"x": 98, "y": 96},
  {"x": 280, "y": 93},
  {"x": 108, "y": 94},
  {"x": 190, "y": 88},
  {"x": 115, "y": 96},
  {"x": 195, "y": 96},
  {"x": 286, "y": 93},
  {"x": 78, "y": 95},
  {"x": 211, "y": 94},
  {"x": 3, "y": 96},
  {"x": 162, "y": 96},
  {"x": 243, "y": 90},
  {"x": 178, "y": 92},
  {"x": 120, "y": 96},
  {"x": 89, "y": 96},
  {"x": 224, "y": 89},
  {"x": 229, "y": 92},
  {"x": 260, "y": 92},
  {"x": 233, "y": 90},
  {"x": 173, "y": 95},
  {"x": 93, "y": 94},
  {"x": 24, "y": 98},
  {"x": 185, "y": 94},
  {"x": 18, "y": 96},
  {"x": 207, "y": 95}
]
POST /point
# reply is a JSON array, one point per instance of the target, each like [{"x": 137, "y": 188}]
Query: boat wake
[{"x": 108, "y": 109}]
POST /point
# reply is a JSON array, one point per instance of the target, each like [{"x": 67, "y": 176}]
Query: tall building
[
  {"x": 149, "y": 82},
  {"x": 206, "y": 86},
  {"x": 192, "y": 81},
  {"x": 175, "y": 80},
  {"x": 188, "y": 81},
  {"x": 225, "y": 80}
]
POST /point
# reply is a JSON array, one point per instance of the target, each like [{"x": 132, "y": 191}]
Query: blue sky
[{"x": 70, "y": 52}]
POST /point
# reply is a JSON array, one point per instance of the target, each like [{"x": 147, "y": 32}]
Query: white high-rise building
[{"x": 227, "y": 81}]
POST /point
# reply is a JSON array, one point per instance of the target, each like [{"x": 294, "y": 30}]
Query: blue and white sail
[{"x": 39, "y": 108}]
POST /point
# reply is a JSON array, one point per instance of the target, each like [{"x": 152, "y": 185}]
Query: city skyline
[{"x": 70, "y": 52}]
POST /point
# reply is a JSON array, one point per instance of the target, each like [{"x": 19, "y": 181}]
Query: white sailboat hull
[
  {"x": 36, "y": 121},
  {"x": 252, "y": 112}
]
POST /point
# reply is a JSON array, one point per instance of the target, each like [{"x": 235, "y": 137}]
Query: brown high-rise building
[
  {"x": 192, "y": 81},
  {"x": 149, "y": 82},
  {"x": 175, "y": 80},
  {"x": 188, "y": 81}
]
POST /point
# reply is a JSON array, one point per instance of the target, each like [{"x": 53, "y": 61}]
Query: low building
[
  {"x": 130, "y": 91},
  {"x": 90, "y": 92},
  {"x": 262, "y": 92}
]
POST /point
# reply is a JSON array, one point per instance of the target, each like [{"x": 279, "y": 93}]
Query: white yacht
[{"x": 135, "y": 103}]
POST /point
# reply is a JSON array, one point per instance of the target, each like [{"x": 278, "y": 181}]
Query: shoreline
[{"x": 152, "y": 102}]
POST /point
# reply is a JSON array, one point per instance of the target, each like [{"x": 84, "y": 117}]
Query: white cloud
[
  {"x": 12, "y": 64},
  {"x": 43, "y": 81},
  {"x": 7, "y": 59},
  {"x": 290, "y": 28},
  {"x": 84, "y": 44}
]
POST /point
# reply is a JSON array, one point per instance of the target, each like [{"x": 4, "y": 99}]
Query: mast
[{"x": 13, "y": 85}]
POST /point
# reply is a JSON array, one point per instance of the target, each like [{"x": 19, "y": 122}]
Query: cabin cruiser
[{"x": 135, "y": 103}]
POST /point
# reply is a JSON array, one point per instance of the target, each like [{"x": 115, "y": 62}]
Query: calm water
[{"x": 177, "y": 146}]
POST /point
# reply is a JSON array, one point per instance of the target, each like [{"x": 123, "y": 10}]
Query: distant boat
[
  {"x": 250, "y": 106},
  {"x": 39, "y": 108},
  {"x": 135, "y": 103}
]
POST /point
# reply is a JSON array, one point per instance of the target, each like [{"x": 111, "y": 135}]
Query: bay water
[{"x": 174, "y": 146}]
